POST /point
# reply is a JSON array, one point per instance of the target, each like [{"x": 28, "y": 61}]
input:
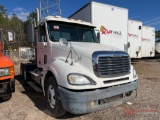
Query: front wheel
[{"x": 53, "y": 99}]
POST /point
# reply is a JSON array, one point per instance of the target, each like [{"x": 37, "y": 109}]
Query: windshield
[{"x": 71, "y": 32}]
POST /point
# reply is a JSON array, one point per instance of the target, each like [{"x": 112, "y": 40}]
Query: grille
[
  {"x": 110, "y": 63},
  {"x": 113, "y": 66}
]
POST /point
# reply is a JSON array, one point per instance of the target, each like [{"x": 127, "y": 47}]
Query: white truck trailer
[
  {"x": 135, "y": 38},
  {"x": 74, "y": 71},
  {"x": 148, "y": 41},
  {"x": 111, "y": 21},
  {"x": 157, "y": 46}
]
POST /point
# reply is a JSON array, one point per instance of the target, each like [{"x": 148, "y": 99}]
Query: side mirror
[
  {"x": 7, "y": 36},
  {"x": 63, "y": 42},
  {"x": 11, "y": 37},
  {"x": 30, "y": 32}
]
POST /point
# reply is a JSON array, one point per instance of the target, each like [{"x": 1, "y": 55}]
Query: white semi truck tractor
[{"x": 74, "y": 71}]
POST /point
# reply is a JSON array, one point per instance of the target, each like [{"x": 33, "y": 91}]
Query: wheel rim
[{"x": 51, "y": 96}]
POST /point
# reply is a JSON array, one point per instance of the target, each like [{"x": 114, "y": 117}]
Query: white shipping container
[
  {"x": 110, "y": 20},
  {"x": 157, "y": 46},
  {"x": 148, "y": 41},
  {"x": 134, "y": 38}
]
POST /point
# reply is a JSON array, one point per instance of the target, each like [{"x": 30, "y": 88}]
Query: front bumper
[
  {"x": 81, "y": 102},
  {"x": 7, "y": 87}
]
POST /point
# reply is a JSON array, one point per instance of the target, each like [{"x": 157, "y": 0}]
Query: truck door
[{"x": 41, "y": 45}]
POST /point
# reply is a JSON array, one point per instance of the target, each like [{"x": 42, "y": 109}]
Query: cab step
[
  {"x": 34, "y": 86},
  {"x": 35, "y": 74}
]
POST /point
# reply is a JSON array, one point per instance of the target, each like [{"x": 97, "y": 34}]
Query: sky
[{"x": 146, "y": 11}]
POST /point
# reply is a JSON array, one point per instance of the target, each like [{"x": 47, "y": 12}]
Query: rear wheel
[
  {"x": 22, "y": 70},
  {"x": 25, "y": 77},
  {"x": 7, "y": 97},
  {"x": 53, "y": 99},
  {"x": 26, "y": 71}
]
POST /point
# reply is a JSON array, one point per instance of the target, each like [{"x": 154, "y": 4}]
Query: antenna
[{"x": 50, "y": 7}]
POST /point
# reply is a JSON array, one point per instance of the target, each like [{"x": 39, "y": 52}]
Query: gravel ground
[{"x": 26, "y": 104}]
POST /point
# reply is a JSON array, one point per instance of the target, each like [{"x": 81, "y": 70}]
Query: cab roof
[{"x": 66, "y": 20}]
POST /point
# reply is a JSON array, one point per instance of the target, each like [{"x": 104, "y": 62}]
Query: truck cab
[
  {"x": 7, "y": 82},
  {"x": 74, "y": 71}
]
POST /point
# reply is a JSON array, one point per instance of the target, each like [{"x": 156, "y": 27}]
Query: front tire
[{"x": 53, "y": 99}]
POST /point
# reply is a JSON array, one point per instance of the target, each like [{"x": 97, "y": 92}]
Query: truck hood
[
  {"x": 87, "y": 49},
  {"x": 5, "y": 62}
]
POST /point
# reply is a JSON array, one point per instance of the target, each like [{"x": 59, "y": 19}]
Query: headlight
[
  {"x": 134, "y": 74},
  {"x": 4, "y": 72},
  {"x": 79, "y": 79}
]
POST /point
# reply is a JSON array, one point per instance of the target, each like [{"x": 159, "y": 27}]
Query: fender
[
  {"x": 6, "y": 62},
  {"x": 60, "y": 69},
  {"x": 56, "y": 67}
]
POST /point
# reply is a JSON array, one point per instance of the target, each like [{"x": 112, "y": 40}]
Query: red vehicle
[{"x": 7, "y": 82}]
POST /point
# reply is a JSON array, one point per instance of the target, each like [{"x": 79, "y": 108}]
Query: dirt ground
[{"x": 26, "y": 104}]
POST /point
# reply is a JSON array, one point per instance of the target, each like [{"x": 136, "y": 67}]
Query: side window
[
  {"x": 42, "y": 34},
  {"x": 35, "y": 36}
]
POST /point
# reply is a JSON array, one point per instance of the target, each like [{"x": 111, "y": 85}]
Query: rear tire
[
  {"x": 26, "y": 75},
  {"x": 53, "y": 99},
  {"x": 26, "y": 69},
  {"x": 22, "y": 70},
  {"x": 7, "y": 97}
]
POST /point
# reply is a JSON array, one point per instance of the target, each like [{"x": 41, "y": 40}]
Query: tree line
[
  {"x": 16, "y": 25},
  {"x": 158, "y": 34}
]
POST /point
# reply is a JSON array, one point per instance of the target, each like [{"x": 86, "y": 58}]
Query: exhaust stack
[{"x": 38, "y": 14}]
